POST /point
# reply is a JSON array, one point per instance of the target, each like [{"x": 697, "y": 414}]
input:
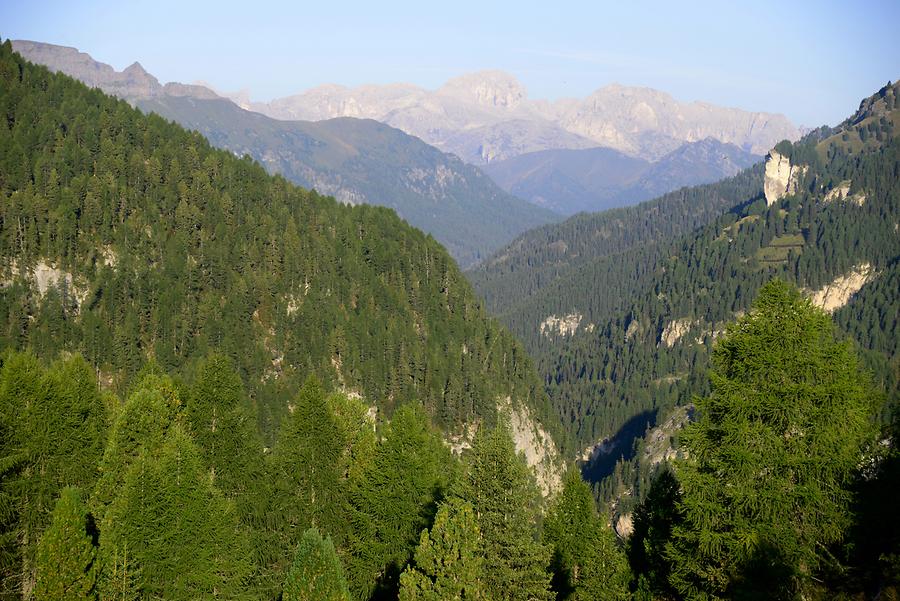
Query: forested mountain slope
[
  {"x": 619, "y": 308},
  {"x": 126, "y": 238},
  {"x": 545, "y": 255},
  {"x": 161, "y": 300},
  {"x": 354, "y": 160},
  {"x": 364, "y": 161}
]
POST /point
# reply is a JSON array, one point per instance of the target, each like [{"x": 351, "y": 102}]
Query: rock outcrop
[
  {"x": 43, "y": 277},
  {"x": 624, "y": 526},
  {"x": 535, "y": 444},
  {"x": 781, "y": 177},
  {"x": 838, "y": 293},
  {"x": 658, "y": 441},
  {"x": 566, "y": 325},
  {"x": 841, "y": 192},
  {"x": 674, "y": 331}
]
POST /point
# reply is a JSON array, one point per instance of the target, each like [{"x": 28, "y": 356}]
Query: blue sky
[{"x": 812, "y": 61}]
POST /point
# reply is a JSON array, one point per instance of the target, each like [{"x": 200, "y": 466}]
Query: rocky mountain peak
[
  {"x": 881, "y": 103},
  {"x": 495, "y": 89},
  {"x": 135, "y": 69}
]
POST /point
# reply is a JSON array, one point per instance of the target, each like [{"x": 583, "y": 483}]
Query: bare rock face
[
  {"x": 191, "y": 90},
  {"x": 781, "y": 177},
  {"x": 480, "y": 117},
  {"x": 493, "y": 89},
  {"x": 649, "y": 123},
  {"x": 624, "y": 526},
  {"x": 566, "y": 325},
  {"x": 500, "y": 141},
  {"x": 535, "y": 444},
  {"x": 674, "y": 331},
  {"x": 487, "y": 116},
  {"x": 838, "y": 293}
]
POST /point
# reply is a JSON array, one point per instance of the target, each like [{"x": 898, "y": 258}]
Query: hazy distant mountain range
[
  {"x": 487, "y": 116},
  {"x": 546, "y": 153},
  {"x": 355, "y": 160},
  {"x": 595, "y": 179}
]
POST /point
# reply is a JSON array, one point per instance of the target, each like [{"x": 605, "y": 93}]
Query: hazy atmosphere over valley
[{"x": 460, "y": 302}]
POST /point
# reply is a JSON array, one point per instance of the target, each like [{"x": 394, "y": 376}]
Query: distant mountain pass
[{"x": 596, "y": 179}]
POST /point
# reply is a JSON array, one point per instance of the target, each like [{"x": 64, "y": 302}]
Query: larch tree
[
  {"x": 653, "y": 521},
  {"x": 52, "y": 423},
  {"x": 393, "y": 500},
  {"x": 305, "y": 468},
  {"x": 765, "y": 486},
  {"x": 316, "y": 573},
  {"x": 586, "y": 562},
  {"x": 224, "y": 429},
  {"x": 503, "y": 494},
  {"x": 447, "y": 565},
  {"x": 177, "y": 527},
  {"x": 66, "y": 566}
]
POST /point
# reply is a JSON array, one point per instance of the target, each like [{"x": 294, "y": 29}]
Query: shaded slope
[
  {"x": 596, "y": 179},
  {"x": 539, "y": 258},
  {"x": 569, "y": 181}
]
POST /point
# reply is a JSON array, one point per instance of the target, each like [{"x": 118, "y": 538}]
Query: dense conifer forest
[
  {"x": 651, "y": 297},
  {"x": 216, "y": 385},
  {"x": 125, "y": 237}
]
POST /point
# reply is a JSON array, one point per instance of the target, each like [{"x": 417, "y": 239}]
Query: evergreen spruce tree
[
  {"x": 447, "y": 564},
  {"x": 654, "y": 520},
  {"x": 766, "y": 484},
  {"x": 499, "y": 486},
  {"x": 52, "y": 423},
  {"x": 586, "y": 562},
  {"x": 305, "y": 466},
  {"x": 393, "y": 500},
  {"x": 177, "y": 527},
  {"x": 66, "y": 566},
  {"x": 316, "y": 574}
]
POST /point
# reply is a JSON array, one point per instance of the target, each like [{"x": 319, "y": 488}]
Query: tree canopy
[{"x": 770, "y": 459}]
